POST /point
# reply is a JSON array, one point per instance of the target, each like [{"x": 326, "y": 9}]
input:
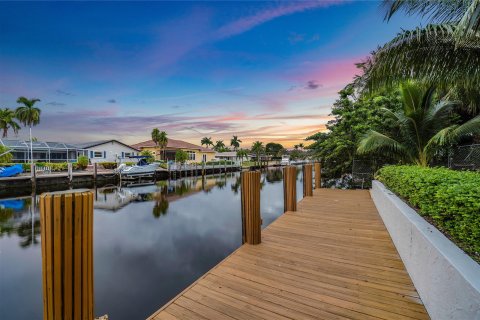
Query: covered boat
[
  {"x": 142, "y": 168},
  {"x": 11, "y": 171}
]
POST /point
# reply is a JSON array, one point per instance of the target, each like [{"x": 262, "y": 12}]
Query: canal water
[{"x": 150, "y": 242}]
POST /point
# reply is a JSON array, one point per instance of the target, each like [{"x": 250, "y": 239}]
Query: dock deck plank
[{"x": 331, "y": 259}]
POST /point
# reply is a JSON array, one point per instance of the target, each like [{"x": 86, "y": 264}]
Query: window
[
  {"x": 191, "y": 155},
  {"x": 97, "y": 154},
  {"x": 128, "y": 154},
  {"x": 204, "y": 157}
]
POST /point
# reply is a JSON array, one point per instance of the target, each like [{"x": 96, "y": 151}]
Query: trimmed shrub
[
  {"x": 82, "y": 162},
  {"x": 108, "y": 165},
  {"x": 451, "y": 199}
]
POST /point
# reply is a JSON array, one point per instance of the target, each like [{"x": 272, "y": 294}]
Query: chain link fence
[{"x": 465, "y": 158}]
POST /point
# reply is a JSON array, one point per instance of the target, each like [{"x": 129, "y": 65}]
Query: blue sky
[{"x": 264, "y": 71}]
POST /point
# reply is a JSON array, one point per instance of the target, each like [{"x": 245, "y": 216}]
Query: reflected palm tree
[
  {"x": 29, "y": 233},
  {"x": 275, "y": 175},
  {"x": 161, "y": 203},
  {"x": 236, "y": 185}
]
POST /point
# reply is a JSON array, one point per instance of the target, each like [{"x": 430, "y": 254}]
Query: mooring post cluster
[{"x": 250, "y": 180}]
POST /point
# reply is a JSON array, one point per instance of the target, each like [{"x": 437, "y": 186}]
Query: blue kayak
[{"x": 11, "y": 171}]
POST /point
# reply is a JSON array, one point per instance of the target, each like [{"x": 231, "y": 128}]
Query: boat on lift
[{"x": 141, "y": 169}]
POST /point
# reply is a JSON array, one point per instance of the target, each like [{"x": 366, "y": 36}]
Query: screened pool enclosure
[{"x": 43, "y": 151}]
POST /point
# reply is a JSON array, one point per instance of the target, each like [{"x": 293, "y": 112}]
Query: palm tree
[
  {"x": 242, "y": 153},
  {"x": 258, "y": 149},
  {"x": 300, "y": 145},
  {"x": 206, "y": 141},
  {"x": 156, "y": 136},
  {"x": 296, "y": 147},
  {"x": 235, "y": 143},
  {"x": 423, "y": 127},
  {"x": 445, "y": 53},
  {"x": 7, "y": 121},
  {"x": 163, "y": 142},
  {"x": 219, "y": 146},
  {"x": 28, "y": 115}
]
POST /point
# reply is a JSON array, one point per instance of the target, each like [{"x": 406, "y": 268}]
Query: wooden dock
[{"x": 331, "y": 259}]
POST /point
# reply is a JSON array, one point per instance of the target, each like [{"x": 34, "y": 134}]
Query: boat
[
  {"x": 285, "y": 160},
  {"x": 11, "y": 171},
  {"x": 141, "y": 169}
]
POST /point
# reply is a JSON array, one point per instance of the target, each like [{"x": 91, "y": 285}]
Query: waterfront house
[
  {"x": 195, "y": 153},
  {"x": 230, "y": 156},
  {"x": 43, "y": 151},
  {"x": 108, "y": 151}
]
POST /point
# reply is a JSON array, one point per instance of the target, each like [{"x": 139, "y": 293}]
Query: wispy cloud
[
  {"x": 64, "y": 93},
  {"x": 251, "y": 21},
  {"x": 112, "y": 101}
]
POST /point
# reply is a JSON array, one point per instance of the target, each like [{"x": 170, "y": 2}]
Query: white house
[
  {"x": 109, "y": 151},
  {"x": 230, "y": 156}
]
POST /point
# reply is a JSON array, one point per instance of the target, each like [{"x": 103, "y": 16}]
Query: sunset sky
[{"x": 264, "y": 71}]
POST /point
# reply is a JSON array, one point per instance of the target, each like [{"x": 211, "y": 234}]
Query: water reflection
[{"x": 151, "y": 241}]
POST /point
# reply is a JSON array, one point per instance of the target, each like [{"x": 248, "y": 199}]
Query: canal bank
[{"x": 26, "y": 184}]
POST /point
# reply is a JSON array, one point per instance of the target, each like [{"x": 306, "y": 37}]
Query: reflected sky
[{"x": 150, "y": 242}]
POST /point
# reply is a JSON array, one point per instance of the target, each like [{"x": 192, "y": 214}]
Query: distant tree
[
  {"x": 28, "y": 115},
  {"x": 296, "y": 147},
  {"x": 206, "y": 141},
  {"x": 235, "y": 143},
  {"x": 163, "y": 142},
  {"x": 258, "y": 149},
  {"x": 219, "y": 146},
  {"x": 274, "y": 149},
  {"x": 156, "y": 136},
  {"x": 300, "y": 146},
  {"x": 7, "y": 121},
  {"x": 181, "y": 156},
  {"x": 148, "y": 154},
  {"x": 242, "y": 153},
  {"x": 5, "y": 157}
]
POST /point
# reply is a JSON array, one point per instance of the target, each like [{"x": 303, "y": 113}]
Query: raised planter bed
[{"x": 447, "y": 279}]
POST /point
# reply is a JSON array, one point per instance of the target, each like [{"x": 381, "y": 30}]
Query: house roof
[
  {"x": 92, "y": 144},
  {"x": 37, "y": 145},
  {"x": 172, "y": 144}
]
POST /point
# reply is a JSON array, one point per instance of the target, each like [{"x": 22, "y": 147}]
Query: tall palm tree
[
  {"x": 258, "y": 149},
  {"x": 28, "y": 115},
  {"x": 163, "y": 142},
  {"x": 423, "y": 127},
  {"x": 301, "y": 146},
  {"x": 219, "y": 146},
  {"x": 235, "y": 143},
  {"x": 155, "y": 136},
  {"x": 7, "y": 121},
  {"x": 206, "y": 141},
  {"x": 445, "y": 52}
]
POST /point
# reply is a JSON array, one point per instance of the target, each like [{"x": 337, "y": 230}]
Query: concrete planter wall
[{"x": 447, "y": 280}]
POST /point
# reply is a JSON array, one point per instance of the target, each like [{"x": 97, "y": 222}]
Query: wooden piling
[
  {"x": 251, "y": 221},
  {"x": 95, "y": 171},
  {"x": 66, "y": 221},
  {"x": 307, "y": 180},
  {"x": 290, "y": 188},
  {"x": 70, "y": 172},
  {"x": 33, "y": 175},
  {"x": 318, "y": 175}
]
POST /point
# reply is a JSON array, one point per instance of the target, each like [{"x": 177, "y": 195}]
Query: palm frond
[
  {"x": 374, "y": 141},
  {"x": 440, "y": 11},
  {"x": 470, "y": 22},
  {"x": 428, "y": 54},
  {"x": 470, "y": 127}
]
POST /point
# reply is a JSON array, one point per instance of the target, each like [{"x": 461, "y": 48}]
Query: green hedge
[
  {"x": 450, "y": 198},
  {"x": 55, "y": 166},
  {"x": 108, "y": 165}
]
